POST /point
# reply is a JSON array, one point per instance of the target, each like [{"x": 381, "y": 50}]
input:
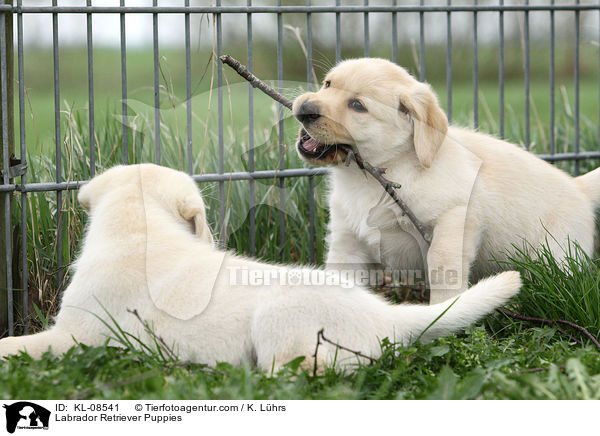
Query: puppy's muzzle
[
  {"x": 309, "y": 148},
  {"x": 307, "y": 113}
]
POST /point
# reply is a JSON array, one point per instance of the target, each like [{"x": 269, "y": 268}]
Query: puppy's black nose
[{"x": 308, "y": 112}]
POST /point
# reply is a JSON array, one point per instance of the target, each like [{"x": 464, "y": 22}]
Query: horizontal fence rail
[
  {"x": 255, "y": 175},
  {"x": 17, "y": 181},
  {"x": 289, "y": 9}
]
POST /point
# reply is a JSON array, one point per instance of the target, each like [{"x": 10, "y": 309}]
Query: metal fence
[{"x": 15, "y": 185}]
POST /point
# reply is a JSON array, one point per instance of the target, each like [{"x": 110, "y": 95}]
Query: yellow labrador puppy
[
  {"x": 140, "y": 252},
  {"x": 479, "y": 195}
]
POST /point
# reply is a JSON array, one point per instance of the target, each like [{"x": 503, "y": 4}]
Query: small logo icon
[{"x": 26, "y": 415}]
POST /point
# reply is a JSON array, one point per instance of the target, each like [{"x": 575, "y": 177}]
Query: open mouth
[{"x": 313, "y": 149}]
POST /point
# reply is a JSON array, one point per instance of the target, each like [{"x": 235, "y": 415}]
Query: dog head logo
[{"x": 26, "y": 415}]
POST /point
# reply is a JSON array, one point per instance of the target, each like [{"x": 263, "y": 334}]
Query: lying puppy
[
  {"x": 140, "y": 252},
  {"x": 479, "y": 195}
]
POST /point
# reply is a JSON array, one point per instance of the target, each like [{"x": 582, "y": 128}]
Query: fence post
[{"x": 6, "y": 151}]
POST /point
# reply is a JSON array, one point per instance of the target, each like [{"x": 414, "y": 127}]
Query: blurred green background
[{"x": 107, "y": 85}]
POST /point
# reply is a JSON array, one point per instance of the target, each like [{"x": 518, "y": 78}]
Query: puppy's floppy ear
[
  {"x": 181, "y": 277},
  {"x": 83, "y": 196},
  {"x": 90, "y": 192},
  {"x": 192, "y": 209},
  {"x": 180, "y": 274},
  {"x": 429, "y": 122},
  {"x": 181, "y": 283}
]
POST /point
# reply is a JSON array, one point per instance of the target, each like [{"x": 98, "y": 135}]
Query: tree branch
[
  {"x": 315, "y": 365},
  {"x": 583, "y": 330},
  {"x": 321, "y": 335},
  {"x": 255, "y": 81}
]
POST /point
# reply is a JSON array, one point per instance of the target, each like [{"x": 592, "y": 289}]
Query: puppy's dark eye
[
  {"x": 356, "y": 105},
  {"x": 327, "y": 84}
]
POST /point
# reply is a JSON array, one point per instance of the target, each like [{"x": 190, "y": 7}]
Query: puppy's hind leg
[
  {"x": 273, "y": 357},
  {"x": 55, "y": 340},
  {"x": 280, "y": 333},
  {"x": 274, "y": 350}
]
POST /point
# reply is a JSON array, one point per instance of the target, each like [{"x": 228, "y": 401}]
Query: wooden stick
[
  {"x": 316, "y": 355},
  {"x": 321, "y": 335},
  {"x": 341, "y": 347},
  {"x": 390, "y": 187},
  {"x": 255, "y": 81},
  {"x": 583, "y": 330},
  {"x": 353, "y": 154}
]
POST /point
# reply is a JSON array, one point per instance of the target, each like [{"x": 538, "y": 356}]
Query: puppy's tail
[
  {"x": 429, "y": 322},
  {"x": 589, "y": 184}
]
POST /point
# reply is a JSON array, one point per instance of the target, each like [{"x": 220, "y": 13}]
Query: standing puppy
[
  {"x": 140, "y": 252},
  {"x": 478, "y": 195}
]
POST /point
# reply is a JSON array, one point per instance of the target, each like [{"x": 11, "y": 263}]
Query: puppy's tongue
[{"x": 311, "y": 144}]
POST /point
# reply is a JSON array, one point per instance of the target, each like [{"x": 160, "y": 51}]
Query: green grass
[
  {"x": 490, "y": 361},
  {"x": 74, "y": 85},
  {"x": 476, "y": 365},
  {"x": 568, "y": 290}
]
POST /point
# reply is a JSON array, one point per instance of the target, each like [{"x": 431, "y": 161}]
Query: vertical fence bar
[
  {"x": 124, "y": 110},
  {"x": 156, "y": 85},
  {"x": 394, "y": 34},
  {"x": 252, "y": 199},
  {"x": 58, "y": 141},
  {"x": 527, "y": 94},
  {"x": 6, "y": 125},
  {"x": 188, "y": 91},
  {"x": 222, "y": 236},
  {"x": 501, "y": 71},
  {"x": 281, "y": 134},
  {"x": 311, "y": 179},
  {"x": 475, "y": 72},
  {"x": 449, "y": 63},
  {"x": 422, "y": 43},
  {"x": 90, "y": 67},
  {"x": 311, "y": 216},
  {"x": 366, "y": 30},
  {"x": 599, "y": 82},
  {"x": 338, "y": 34},
  {"x": 552, "y": 80},
  {"x": 24, "y": 199},
  {"x": 577, "y": 25}
]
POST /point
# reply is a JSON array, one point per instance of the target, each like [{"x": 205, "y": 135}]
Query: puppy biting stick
[{"x": 353, "y": 154}]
